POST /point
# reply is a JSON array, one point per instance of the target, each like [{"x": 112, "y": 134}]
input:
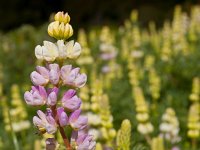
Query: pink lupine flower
[
  {"x": 43, "y": 75},
  {"x": 72, "y": 76},
  {"x": 82, "y": 141},
  {"x": 71, "y": 101},
  {"x": 67, "y": 75},
  {"x": 62, "y": 117},
  {"x": 76, "y": 121},
  {"x": 54, "y": 73},
  {"x": 43, "y": 71},
  {"x": 36, "y": 97},
  {"x": 109, "y": 55},
  {"x": 80, "y": 80},
  {"x": 40, "y": 76},
  {"x": 52, "y": 96},
  {"x": 45, "y": 122}
]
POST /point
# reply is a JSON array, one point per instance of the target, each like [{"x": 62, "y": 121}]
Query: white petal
[
  {"x": 62, "y": 49},
  {"x": 69, "y": 47},
  {"x": 76, "y": 50},
  {"x": 42, "y": 116},
  {"x": 39, "y": 52},
  {"x": 50, "y": 51},
  {"x": 37, "y": 121}
]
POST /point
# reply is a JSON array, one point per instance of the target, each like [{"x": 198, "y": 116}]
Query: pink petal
[
  {"x": 69, "y": 94},
  {"x": 43, "y": 92},
  {"x": 28, "y": 97},
  {"x": 42, "y": 115},
  {"x": 43, "y": 71},
  {"x": 37, "y": 79},
  {"x": 54, "y": 73},
  {"x": 74, "y": 116},
  {"x": 37, "y": 121},
  {"x": 81, "y": 80},
  {"x": 65, "y": 70},
  {"x": 72, "y": 104},
  {"x": 52, "y": 99},
  {"x": 63, "y": 118}
]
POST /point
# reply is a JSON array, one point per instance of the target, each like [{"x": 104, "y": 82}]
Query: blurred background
[
  {"x": 135, "y": 52},
  {"x": 86, "y": 13}
]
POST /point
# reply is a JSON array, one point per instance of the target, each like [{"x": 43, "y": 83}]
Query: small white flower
[
  {"x": 73, "y": 49},
  {"x": 62, "y": 49},
  {"x": 48, "y": 51}
]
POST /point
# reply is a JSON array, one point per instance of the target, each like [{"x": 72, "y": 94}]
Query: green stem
[
  {"x": 194, "y": 144},
  {"x": 148, "y": 139},
  {"x": 66, "y": 141},
  {"x": 14, "y": 137}
]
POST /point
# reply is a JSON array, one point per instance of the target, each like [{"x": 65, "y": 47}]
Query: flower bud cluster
[
  {"x": 179, "y": 27},
  {"x": 157, "y": 143},
  {"x": 154, "y": 81},
  {"x": 86, "y": 57},
  {"x": 167, "y": 45},
  {"x": 84, "y": 95},
  {"x": 124, "y": 135},
  {"x": 108, "y": 55},
  {"x": 194, "y": 110},
  {"x": 100, "y": 118},
  {"x": 107, "y": 130},
  {"x": 194, "y": 121},
  {"x": 144, "y": 127},
  {"x": 195, "y": 95},
  {"x": 60, "y": 28},
  {"x": 134, "y": 74}
]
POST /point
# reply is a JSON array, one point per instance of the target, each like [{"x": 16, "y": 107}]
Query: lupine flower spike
[{"x": 62, "y": 110}]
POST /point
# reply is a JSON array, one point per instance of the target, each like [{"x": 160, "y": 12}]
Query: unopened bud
[
  {"x": 60, "y": 31},
  {"x": 61, "y": 17}
]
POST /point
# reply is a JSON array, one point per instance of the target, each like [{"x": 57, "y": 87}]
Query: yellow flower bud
[
  {"x": 194, "y": 97},
  {"x": 61, "y": 17},
  {"x": 60, "y": 30},
  {"x": 193, "y": 133},
  {"x": 104, "y": 133},
  {"x": 193, "y": 125},
  {"x": 157, "y": 144},
  {"x": 94, "y": 107},
  {"x": 142, "y": 108},
  {"x": 52, "y": 28},
  {"x": 145, "y": 128},
  {"x": 142, "y": 117},
  {"x": 107, "y": 124},
  {"x": 112, "y": 133},
  {"x": 124, "y": 135},
  {"x": 68, "y": 31},
  {"x": 99, "y": 146}
]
